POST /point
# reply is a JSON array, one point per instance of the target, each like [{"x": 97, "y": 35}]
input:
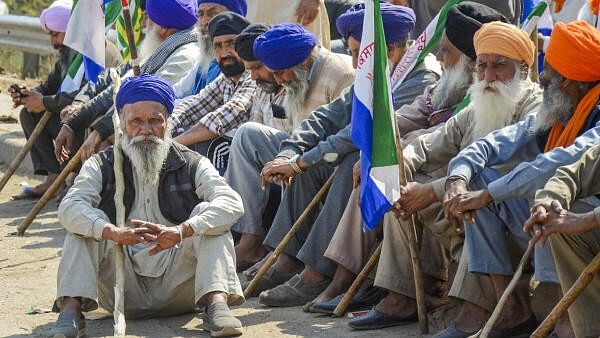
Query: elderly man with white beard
[
  {"x": 207, "y": 68},
  {"x": 436, "y": 105},
  {"x": 170, "y": 49},
  {"x": 178, "y": 248},
  {"x": 501, "y": 95},
  {"x": 494, "y": 204}
]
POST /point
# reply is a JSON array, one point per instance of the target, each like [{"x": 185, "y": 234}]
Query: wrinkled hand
[
  {"x": 453, "y": 190},
  {"x": 88, "y": 149},
  {"x": 356, "y": 175},
  {"x": 16, "y": 95},
  {"x": 413, "y": 197},
  {"x": 554, "y": 219},
  {"x": 166, "y": 237},
  {"x": 128, "y": 236},
  {"x": 70, "y": 110},
  {"x": 307, "y": 11},
  {"x": 62, "y": 144},
  {"x": 277, "y": 170},
  {"x": 33, "y": 101},
  {"x": 468, "y": 202}
]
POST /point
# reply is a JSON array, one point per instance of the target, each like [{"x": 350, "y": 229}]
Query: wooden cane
[
  {"x": 70, "y": 167},
  {"x": 509, "y": 289},
  {"x": 341, "y": 308},
  {"x": 297, "y": 225},
  {"x": 412, "y": 246},
  {"x": 21, "y": 155},
  {"x": 586, "y": 277}
]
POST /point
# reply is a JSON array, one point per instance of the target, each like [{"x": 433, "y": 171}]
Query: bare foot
[
  {"x": 397, "y": 305},
  {"x": 250, "y": 249},
  {"x": 251, "y": 272},
  {"x": 471, "y": 317},
  {"x": 340, "y": 283}
]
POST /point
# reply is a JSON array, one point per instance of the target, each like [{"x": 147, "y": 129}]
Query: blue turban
[
  {"x": 237, "y": 6},
  {"x": 284, "y": 46},
  {"x": 398, "y": 22},
  {"x": 178, "y": 14},
  {"x": 145, "y": 88}
]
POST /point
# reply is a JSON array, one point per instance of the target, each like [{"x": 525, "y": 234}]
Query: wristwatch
[{"x": 294, "y": 163}]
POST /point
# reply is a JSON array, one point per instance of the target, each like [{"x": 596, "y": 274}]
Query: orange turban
[
  {"x": 594, "y": 6},
  {"x": 574, "y": 51},
  {"x": 504, "y": 39}
]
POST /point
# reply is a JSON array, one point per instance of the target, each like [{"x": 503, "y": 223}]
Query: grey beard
[
  {"x": 206, "y": 52},
  {"x": 556, "y": 106},
  {"x": 296, "y": 91},
  {"x": 453, "y": 85},
  {"x": 146, "y": 159}
]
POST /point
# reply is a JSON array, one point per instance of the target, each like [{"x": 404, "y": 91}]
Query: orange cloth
[
  {"x": 561, "y": 136},
  {"x": 504, "y": 39},
  {"x": 594, "y": 6},
  {"x": 559, "y": 5},
  {"x": 574, "y": 51}
]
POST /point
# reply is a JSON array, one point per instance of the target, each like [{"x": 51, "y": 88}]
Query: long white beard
[
  {"x": 206, "y": 52},
  {"x": 296, "y": 90},
  {"x": 149, "y": 44},
  {"x": 147, "y": 159},
  {"x": 453, "y": 85},
  {"x": 494, "y": 104}
]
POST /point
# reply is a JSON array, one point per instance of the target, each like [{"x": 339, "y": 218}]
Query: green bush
[{"x": 27, "y": 7}]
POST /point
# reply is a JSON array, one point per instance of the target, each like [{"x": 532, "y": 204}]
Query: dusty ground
[{"x": 28, "y": 280}]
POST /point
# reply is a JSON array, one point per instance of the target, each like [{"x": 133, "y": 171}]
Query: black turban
[
  {"x": 464, "y": 19},
  {"x": 227, "y": 23},
  {"x": 244, "y": 42}
]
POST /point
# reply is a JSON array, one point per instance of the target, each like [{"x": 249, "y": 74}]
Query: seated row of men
[{"x": 474, "y": 169}]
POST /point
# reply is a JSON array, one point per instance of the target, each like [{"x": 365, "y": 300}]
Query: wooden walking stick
[
  {"x": 412, "y": 245},
  {"x": 297, "y": 225},
  {"x": 341, "y": 308},
  {"x": 586, "y": 277},
  {"x": 30, "y": 141}
]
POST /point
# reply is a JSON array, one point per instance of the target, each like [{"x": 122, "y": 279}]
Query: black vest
[{"x": 176, "y": 189}]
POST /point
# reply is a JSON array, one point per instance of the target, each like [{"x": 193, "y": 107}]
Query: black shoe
[
  {"x": 377, "y": 320},
  {"x": 363, "y": 300}
]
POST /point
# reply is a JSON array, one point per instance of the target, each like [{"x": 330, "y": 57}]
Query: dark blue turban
[
  {"x": 145, "y": 88},
  {"x": 398, "y": 22},
  {"x": 284, "y": 46},
  {"x": 237, "y": 6},
  {"x": 178, "y": 14}
]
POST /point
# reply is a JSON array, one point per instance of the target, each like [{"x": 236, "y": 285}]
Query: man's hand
[
  {"x": 470, "y": 201},
  {"x": 89, "y": 146},
  {"x": 63, "y": 143},
  {"x": 166, "y": 237},
  {"x": 307, "y": 11},
  {"x": 70, "y": 110},
  {"x": 453, "y": 189},
  {"x": 33, "y": 101},
  {"x": 277, "y": 170},
  {"x": 15, "y": 94},
  {"x": 413, "y": 197},
  {"x": 554, "y": 219},
  {"x": 356, "y": 175},
  {"x": 127, "y": 236}
]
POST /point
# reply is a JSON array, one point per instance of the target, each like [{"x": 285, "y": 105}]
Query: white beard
[
  {"x": 494, "y": 110},
  {"x": 295, "y": 91},
  {"x": 206, "y": 52},
  {"x": 149, "y": 44},
  {"x": 146, "y": 159},
  {"x": 452, "y": 86}
]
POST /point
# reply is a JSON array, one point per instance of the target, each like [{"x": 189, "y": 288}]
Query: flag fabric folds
[{"x": 372, "y": 124}]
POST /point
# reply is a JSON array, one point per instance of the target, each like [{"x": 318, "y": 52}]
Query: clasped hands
[{"x": 163, "y": 237}]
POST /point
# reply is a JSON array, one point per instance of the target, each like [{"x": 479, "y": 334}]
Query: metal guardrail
[{"x": 24, "y": 33}]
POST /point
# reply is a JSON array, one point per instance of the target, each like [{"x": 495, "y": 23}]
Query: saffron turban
[
  {"x": 574, "y": 51},
  {"x": 504, "y": 39},
  {"x": 178, "y": 14},
  {"x": 227, "y": 23},
  {"x": 284, "y": 46},
  {"x": 244, "y": 42},
  {"x": 145, "y": 88},
  {"x": 238, "y": 6},
  {"x": 56, "y": 17},
  {"x": 464, "y": 19},
  {"x": 398, "y": 22}
]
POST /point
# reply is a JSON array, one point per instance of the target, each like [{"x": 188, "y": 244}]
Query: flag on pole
[
  {"x": 74, "y": 77},
  {"x": 135, "y": 10},
  {"x": 372, "y": 124}
]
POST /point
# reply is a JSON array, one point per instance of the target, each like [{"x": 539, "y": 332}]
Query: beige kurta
[
  {"x": 279, "y": 11},
  {"x": 174, "y": 280}
]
